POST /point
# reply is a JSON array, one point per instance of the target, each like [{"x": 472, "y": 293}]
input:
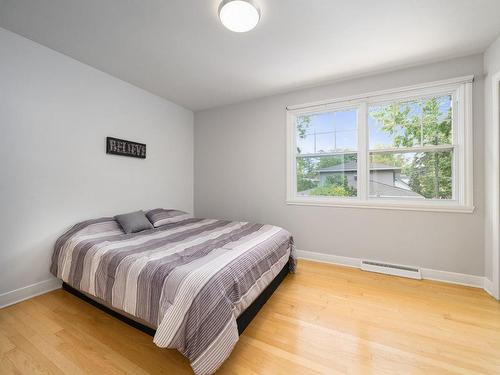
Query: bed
[{"x": 194, "y": 283}]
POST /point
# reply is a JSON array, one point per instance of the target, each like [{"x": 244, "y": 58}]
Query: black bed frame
[{"x": 243, "y": 320}]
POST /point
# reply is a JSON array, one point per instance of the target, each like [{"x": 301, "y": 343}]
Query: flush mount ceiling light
[{"x": 239, "y": 15}]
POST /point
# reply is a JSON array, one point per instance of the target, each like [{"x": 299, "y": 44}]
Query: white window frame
[{"x": 462, "y": 144}]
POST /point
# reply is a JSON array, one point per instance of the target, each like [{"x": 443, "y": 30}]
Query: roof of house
[
  {"x": 379, "y": 189},
  {"x": 353, "y": 166}
]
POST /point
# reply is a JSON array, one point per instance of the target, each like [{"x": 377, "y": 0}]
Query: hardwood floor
[{"x": 324, "y": 319}]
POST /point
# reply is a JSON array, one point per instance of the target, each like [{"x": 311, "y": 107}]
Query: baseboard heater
[{"x": 391, "y": 269}]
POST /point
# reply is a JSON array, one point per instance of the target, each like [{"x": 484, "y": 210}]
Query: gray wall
[
  {"x": 491, "y": 67},
  {"x": 240, "y": 174},
  {"x": 54, "y": 116}
]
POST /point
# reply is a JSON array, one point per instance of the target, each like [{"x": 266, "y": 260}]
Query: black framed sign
[{"x": 122, "y": 147}]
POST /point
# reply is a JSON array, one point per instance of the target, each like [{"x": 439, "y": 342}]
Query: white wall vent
[{"x": 391, "y": 269}]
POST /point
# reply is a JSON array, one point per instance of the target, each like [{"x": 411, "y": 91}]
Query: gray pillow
[
  {"x": 161, "y": 216},
  {"x": 133, "y": 222}
]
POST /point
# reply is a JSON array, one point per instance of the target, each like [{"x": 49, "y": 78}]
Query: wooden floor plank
[{"x": 324, "y": 319}]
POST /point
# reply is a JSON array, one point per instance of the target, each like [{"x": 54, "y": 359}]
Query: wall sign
[{"x": 126, "y": 148}]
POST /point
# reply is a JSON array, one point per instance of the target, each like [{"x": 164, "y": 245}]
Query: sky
[{"x": 338, "y": 131}]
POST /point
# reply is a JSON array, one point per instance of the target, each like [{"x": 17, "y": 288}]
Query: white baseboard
[
  {"x": 490, "y": 289},
  {"x": 453, "y": 277},
  {"x": 427, "y": 273},
  {"x": 328, "y": 258},
  {"x": 33, "y": 290}
]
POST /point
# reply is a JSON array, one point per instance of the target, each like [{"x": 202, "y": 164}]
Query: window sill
[{"x": 383, "y": 205}]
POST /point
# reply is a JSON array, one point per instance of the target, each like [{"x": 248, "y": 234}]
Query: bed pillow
[
  {"x": 161, "y": 216},
  {"x": 133, "y": 222}
]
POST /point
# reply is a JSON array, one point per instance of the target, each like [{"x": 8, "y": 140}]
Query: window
[
  {"x": 409, "y": 148},
  {"x": 327, "y": 153}
]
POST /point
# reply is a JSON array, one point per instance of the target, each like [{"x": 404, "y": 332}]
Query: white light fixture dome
[{"x": 239, "y": 15}]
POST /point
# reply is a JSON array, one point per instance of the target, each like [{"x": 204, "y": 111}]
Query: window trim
[{"x": 461, "y": 90}]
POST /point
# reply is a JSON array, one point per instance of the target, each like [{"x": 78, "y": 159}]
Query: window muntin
[{"x": 423, "y": 134}]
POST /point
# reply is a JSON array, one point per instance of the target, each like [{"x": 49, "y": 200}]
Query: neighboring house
[{"x": 385, "y": 180}]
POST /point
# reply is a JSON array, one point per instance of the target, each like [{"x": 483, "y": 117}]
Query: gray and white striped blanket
[{"x": 190, "y": 279}]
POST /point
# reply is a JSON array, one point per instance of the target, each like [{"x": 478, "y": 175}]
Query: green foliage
[
  {"x": 305, "y": 174},
  {"x": 336, "y": 180},
  {"x": 430, "y": 174},
  {"x": 388, "y": 159},
  {"x": 303, "y": 123},
  {"x": 335, "y": 185},
  {"x": 333, "y": 190},
  {"x": 410, "y": 127},
  {"x": 304, "y": 166},
  {"x": 304, "y": 184},
  {"x": 331, "y": 161}
]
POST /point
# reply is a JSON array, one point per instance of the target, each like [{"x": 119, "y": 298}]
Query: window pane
[
  {"x": 327, "y": 132},
  {"x": 421, "y": 122},
  {"x": 422, "y": 175},
  {"x": 334, "y": 176}
]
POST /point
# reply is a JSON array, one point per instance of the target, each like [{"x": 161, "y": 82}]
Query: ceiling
[{"x": 179, "y": 50}]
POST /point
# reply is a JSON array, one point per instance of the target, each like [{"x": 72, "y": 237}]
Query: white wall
[
  {"x": 54, "y": 116},
  {"x": 491, "y": 149},
  {"x": 240, "y": 174}
]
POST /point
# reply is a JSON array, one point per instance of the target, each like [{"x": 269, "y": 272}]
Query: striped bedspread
[{"x": 190, "y": 279}]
